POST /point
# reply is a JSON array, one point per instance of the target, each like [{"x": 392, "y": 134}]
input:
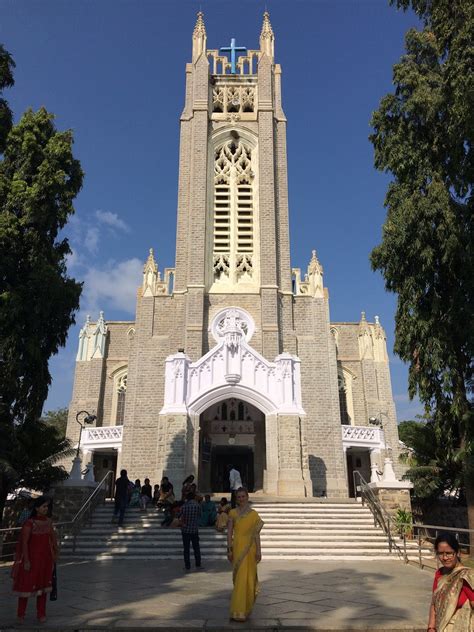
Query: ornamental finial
[
  {"x": 200, "y": 28},
  {"x": 267, "y": 37},
  {"x": 199, "y": 37}
]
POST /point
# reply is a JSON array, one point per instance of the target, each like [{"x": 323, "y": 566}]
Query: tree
[
  {"x": 423, "y": 135},
  {"x": 34, "y": 455},
  {"x": 432, "y": 468},
  {"x": 57, "y": 419},
  {"x": 6, "y": 81},
  {"x": 39, "y": 179}
]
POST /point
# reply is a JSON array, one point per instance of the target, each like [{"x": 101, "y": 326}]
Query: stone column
[
  {"x": 290, "y": 474},
  {"x": 172, "y": 444}
]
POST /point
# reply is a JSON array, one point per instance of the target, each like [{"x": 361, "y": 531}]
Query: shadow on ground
[{"x": 301, "y": 595}]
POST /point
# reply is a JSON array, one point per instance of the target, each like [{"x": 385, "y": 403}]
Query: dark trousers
[
  {"x": 120, "y": 506},
  {"x": 188, "y": 539},
  {"x": 233, "y": 498}
]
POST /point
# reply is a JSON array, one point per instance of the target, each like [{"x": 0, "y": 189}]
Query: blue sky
[{"x": 113, "y": 71}]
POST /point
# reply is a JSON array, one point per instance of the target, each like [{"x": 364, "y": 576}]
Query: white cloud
[
  {"x": 91, "y": 239},
  {"x": 113, "y": 286},
  {"x": 112, "y": 220}
]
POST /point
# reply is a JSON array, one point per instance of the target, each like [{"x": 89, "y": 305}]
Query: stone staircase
[{"x": 293, "y": 530}]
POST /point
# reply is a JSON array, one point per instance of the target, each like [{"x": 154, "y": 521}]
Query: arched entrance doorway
[{"x": 232, "y": 431}]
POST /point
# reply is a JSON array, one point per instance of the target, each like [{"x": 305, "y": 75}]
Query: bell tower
[{"x": 232, "y": 229}]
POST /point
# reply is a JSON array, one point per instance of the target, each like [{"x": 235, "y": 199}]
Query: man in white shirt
[{"x": 235, "y": 483}]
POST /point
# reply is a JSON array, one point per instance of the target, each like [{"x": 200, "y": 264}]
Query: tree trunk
[
  {"x": 469, "y": 491},
  {"x": 4, "y": 491}
]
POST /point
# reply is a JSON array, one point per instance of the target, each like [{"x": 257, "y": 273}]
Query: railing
[
  {"x": 381, "y": 517},
  {"x": 422, "y": 533},
  {"x": 369, "y": 436},
  {"x": 102, "y": 435},
  {"x": 71, "y": 527}
]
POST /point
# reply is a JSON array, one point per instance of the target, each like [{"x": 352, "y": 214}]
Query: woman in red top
[
  {"x": 453, "y": 590},
  {"x": 34, "y": 560}
]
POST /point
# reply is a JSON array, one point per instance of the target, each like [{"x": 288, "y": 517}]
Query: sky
[{"x": 113, "y": 72}]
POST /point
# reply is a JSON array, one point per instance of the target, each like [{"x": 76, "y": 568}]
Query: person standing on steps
[
  {"x": 244, "y": 552},
  {"x": 190, "y": 516},
  {"x": 122, "y": 494},
  {"x": 235, "y": 483},
  {"x": 36, "y": 553}
]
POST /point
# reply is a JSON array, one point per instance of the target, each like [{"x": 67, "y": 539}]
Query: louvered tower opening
[{"x": 233, "y": 238}]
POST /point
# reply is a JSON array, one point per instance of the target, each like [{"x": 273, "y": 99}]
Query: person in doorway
[
  {"x": 190, "y": 515},
  {"x": 244, "y": 552},
  {"x": 122, "y": 495},
  {"x": 35, "y": 557},
  {"x": 223, "y": 509},
  {"x": 453, "y": 589},
  {"x": 208, "y": 512},
  {"x": 235, "y": 483},
  {"x": 145, "y": 495}
]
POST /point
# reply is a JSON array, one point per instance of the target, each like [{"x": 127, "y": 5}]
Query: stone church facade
[{"x": 232, "y": 357}]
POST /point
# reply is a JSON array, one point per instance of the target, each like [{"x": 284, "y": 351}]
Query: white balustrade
[
  {"x": 362, "y": 436},
  {"x": 102, "y": 437}
]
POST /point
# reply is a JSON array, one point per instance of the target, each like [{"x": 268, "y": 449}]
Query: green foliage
[
  {"x": 404, "y": 522},
  {"x": 423, "y": 135},
  {"x": 433, "y": 467},
  {"x": 39, "y": 179},
  {"x": 33, "y": 457},
  {"x": 6, "y": 81},
  {"x": 58, "y": 420}
]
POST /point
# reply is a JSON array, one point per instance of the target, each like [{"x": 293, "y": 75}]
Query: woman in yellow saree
[
  {"x": 453, "y": 590},
  {"x": 244, "y": 552}
]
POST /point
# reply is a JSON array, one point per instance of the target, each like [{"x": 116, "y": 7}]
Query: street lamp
[
  {"x": 88, "y": 419},
  {"x": 75, "y": 476}
]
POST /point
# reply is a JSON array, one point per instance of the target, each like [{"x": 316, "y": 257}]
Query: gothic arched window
[
  {"x": 234, "y": 221},
  {"x": 121, "y": 391},
  {"x": 346, "y": 401}
]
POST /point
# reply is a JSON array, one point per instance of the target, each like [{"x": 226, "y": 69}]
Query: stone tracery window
[{"x": 234, "y": 221}]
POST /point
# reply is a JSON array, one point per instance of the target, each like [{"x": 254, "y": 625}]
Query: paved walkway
[{"x": 313, "y": 595}]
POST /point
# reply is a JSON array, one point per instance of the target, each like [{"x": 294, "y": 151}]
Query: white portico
[{"x": 234, "y": 398}]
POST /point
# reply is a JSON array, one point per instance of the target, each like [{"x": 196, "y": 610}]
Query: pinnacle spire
[
  {"x": 267, "y": 37},
  {"x": 200, "y": 27},
  {"x": 199, "y": 36}
]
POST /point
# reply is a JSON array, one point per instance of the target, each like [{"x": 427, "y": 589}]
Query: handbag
[{"x": 53, "y": 595}]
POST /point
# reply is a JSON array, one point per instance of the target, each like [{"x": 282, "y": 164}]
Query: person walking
[
  {"x": 190, "y": 515},
  {"x": 122, "y": 494},
  {"x": 235, "y": 483},
  {"x": 244, "y": 551},
  {"x": 453, "y": 589},
  {"x": 35, "y": 556}
]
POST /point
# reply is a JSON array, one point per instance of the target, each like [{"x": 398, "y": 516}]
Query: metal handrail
[
  {"x": 383, "y": 518},
  {"x": 70, "y": 526}
]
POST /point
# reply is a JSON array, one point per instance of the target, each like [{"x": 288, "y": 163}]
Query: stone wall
[
  {"x": 393, "y": 499},
  {"x": 68, "y": 500}
]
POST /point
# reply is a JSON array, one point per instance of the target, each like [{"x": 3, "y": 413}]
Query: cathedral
[{"x": 232, "y": 356}]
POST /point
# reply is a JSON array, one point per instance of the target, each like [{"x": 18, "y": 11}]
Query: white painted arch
[{"x": 226, "y": 391}]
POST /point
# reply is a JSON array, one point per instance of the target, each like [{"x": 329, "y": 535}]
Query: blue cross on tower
[{"x": 233, "y": 49}]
